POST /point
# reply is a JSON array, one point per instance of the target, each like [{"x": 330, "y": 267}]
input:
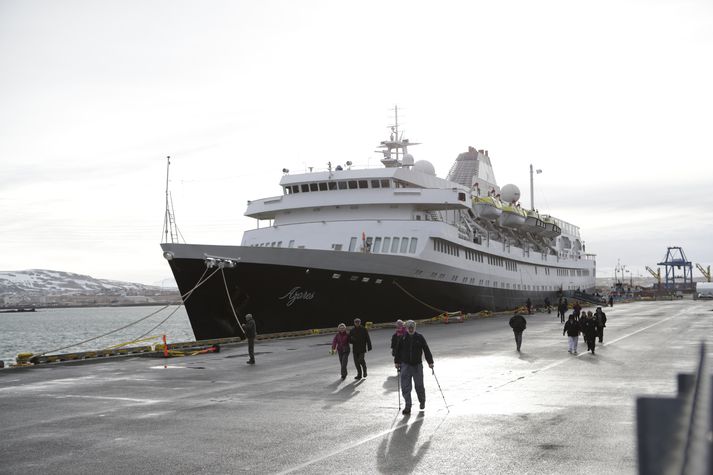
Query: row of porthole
[{"x": 355, "y": 278}]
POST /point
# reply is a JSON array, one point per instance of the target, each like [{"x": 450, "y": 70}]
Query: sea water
[{"x": 46, "y": 330}]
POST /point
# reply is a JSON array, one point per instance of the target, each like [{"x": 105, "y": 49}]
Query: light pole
[{"x": 532, "y": 186}]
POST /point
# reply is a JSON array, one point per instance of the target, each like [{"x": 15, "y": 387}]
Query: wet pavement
[{"x": 539, "y": 411}]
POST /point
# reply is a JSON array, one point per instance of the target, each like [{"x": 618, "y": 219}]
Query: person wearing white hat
[{"x": 409, "y": 349}]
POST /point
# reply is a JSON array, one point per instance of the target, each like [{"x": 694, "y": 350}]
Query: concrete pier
[{"x": 539, "y": 411}]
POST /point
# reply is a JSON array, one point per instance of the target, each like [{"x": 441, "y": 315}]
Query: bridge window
[
  {"x": 375, "y": 183},
  {"x": 312, "y": 187},
  {"x": 385, "y": 184},
  {"x": 412, "y": 248},
  {"x": 404, "y": 245},
  {"x": 352, "y": 244},
  {"x": 342, "y": 185},
  {"x": 387, "y": 243},
  {"x": 395, "y": 245},
  {"x": 363, "y": 184},
  {"x": 377, "y": 245},
  {"x": 352, "y": 185},
  {"x": 322, "y": 186}
]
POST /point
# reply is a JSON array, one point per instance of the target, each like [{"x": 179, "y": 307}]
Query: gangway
[{"x": 705, "y": 271}]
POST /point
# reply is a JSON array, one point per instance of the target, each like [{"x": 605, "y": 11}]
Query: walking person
[
  {"x": 410, "y": 347},
  {"x": 547, "y": 304},
  {"x": 250, "y": 334},
  {"x": 361, "y": 343},
  {"x": 577, "y": 308},
  {"x": 340, "y": 343},
  {"x": 572, "y": 330},
  {"x": 528, "y": 304},
  {"x": 400, "y": 330},
  {"x": 562, "y": 309},
  {"x": 518, "y": 325},
  {"x": 589, "y": 328},
  {"x": 601, "y": 323}
]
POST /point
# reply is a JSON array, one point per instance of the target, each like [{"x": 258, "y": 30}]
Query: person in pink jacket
[{"x": 340, "y": 343}]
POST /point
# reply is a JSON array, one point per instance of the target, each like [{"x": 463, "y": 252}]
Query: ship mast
[
  {"x": 169, "y": 217},
  {"x": 395, "y": 143}
]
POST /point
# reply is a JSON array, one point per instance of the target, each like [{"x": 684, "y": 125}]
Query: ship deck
[{"x": 540, "y": 411}]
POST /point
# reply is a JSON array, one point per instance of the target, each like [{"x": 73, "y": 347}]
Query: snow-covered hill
[{"x": 40, "y": 286}]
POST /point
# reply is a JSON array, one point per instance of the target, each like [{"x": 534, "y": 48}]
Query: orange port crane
[{"x": 706, "y": 272}]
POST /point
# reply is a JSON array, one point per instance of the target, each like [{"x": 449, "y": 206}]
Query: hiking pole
[
  {"x": 398, "y": 385},
  {"x": 433, "y": 371}
]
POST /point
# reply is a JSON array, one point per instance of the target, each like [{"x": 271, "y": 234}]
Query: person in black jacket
[
  {"x": 590, "y": 330},
  {"x": 400, "y": 330},
  {"x": 518, "y": 325},
  {"x": 250, "y": 334},
  {"x": 572, "y": 330},
  {"x": 361, "y": 343},
  {"x": 409, "y": 349},
  {"x": 601, "y": 322}
]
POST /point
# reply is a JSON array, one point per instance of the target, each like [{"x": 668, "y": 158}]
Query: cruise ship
[{"x": 380, "y": 244}]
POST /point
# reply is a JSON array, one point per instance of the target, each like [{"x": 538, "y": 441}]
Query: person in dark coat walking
[
  {"x": 528, "y": 304},
  {"x": 250, "y": 334},
  {"x": 547, "y": 304},
  {"x": 409, "y": 348},
  {"x": 601, "y": 322},
  {"x": 572, "y": 330},
  {"x": 340, "y": 343},
  {"x": 400, "y": 330},
  {"x": 577, "y": 308},
  {"x": 590, "y": 330},
  {"x": 361, "y": 343},
  {"x": 518, "y": 325}
]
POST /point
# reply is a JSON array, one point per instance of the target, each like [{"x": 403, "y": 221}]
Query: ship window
[
  {"x": 337, "y": 247},
  {"x": 465, "y": 279},
  {"x": 365, "y": 279},
  {"x": 375, "y": 183},
  {"x": 336, "y": 276},
  {"x": 377, "y": 245},
  {"x": 404, "y": 245},
  {"x": 369, "y": 242},
  {"x": 363, "y": 184},
  {"x": 312, "y": 187},
  {"x": 305, "y": 188},
  {"x": 279, "y": 243},
  {"x": 378, "y": 281},
  {"x": 385, "y": 184},
  {"x": 354, "y": 278},
  {"x": 387, "y": 243},
  {"x": 352, "y": 244},
  {"x": 441, "y": 275},
  {"x": 287, "y": 190},
  {"x": 412, "y": 248},
  {"x": 454, "y": 278},
  {"x": 295, "y": 189},
  {"x": 342, "y": 185},
  {"x": 395, "y": 245},
  {"x": 353, "y": 185},
  {"x": 322, "y": 186},
  {"x": 461, "y": 196},
  {"x": 332, "y": 185},
  {"x": 434, "y": 274}
]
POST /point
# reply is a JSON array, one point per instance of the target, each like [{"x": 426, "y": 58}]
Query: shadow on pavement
[{"x": 398, "y": 451}]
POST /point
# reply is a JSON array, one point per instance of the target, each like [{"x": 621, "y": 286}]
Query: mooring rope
[
  {"x": 439, "y": 310},
  {"x": 231, "y": 302},
  {"x": 184, "y": 297}
]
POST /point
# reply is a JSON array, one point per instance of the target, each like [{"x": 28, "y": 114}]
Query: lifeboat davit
[{"x": 487, "y": 207}]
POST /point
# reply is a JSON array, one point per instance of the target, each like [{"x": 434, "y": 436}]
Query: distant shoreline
[{"x": 93, "y": 305}]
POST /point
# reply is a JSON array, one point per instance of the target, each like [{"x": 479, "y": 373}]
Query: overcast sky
[{"x": 611, "y": 99}]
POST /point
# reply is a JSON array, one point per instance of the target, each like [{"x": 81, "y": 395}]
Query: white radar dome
[
  {"x": 408, "y": 160},
  {"x": 424, "y": 166},
  {"x": 510, "y": 193}
]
